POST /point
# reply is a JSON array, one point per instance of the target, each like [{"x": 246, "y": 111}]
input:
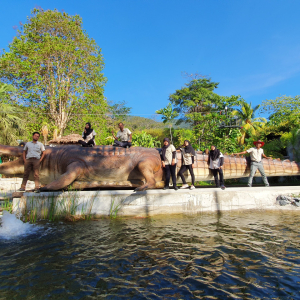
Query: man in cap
[{"x": 256, "y": 154}]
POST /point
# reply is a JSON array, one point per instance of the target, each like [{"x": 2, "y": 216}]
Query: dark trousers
[
  {"x": 215, "y": 173},
  {"x": 31, "y": 164},
  {"x": 183, "y": 169},
  {"x": 122, "y": 144},
  {"x": 87, "y": 144},
  {"x": 170, "y": 171}
]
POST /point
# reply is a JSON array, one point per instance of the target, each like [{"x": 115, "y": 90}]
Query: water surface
[{"x": 252, "y": 255}]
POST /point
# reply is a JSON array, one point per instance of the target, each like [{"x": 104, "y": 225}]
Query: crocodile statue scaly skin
[{"x": 107, "y": 166}]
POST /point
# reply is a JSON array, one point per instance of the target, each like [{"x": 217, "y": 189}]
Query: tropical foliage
[
  {"x": 145, "y": 140},
  {"x": 246, "y": 115},
  {"x": 292, "y": 142},
  {"x": 12, "y": 126}
]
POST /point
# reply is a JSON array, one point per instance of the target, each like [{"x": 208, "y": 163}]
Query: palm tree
[
  {"x": 246, "y": 115},
  {"x": 11, "y": 126},
  {"x": 4, "y": 89}
]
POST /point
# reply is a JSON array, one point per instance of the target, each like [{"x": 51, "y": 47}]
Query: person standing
[
  {"x": 169, "y": 160},
  {"x": 123, "y": 138},
  {"x": 88, "y": 136},
  {"x": 256, "y": 154},
  {"x": 188, "y": 158},
  {"x": 216, "y": 161},
  {"x": 33, "y": 155}
]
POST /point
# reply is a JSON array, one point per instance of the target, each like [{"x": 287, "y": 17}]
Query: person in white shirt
[
  {"x": 88, "y": 136},
  {"x": 215, "y": 162},
  {"x": 33, "y": 154},
  {"x": 256, "y": 154},
  {"x": 168, "y": 161},
  {"x": 188, "y": 158},
  {"x": 123, "y": 138}
]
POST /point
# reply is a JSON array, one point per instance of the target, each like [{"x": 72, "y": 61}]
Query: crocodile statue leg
[{"x": 74, "y": 170}]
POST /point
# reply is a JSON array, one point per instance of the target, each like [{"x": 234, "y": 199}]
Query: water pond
[{"x": 251, "y": 255}]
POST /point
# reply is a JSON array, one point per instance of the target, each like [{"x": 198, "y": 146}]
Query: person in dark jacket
[
  {"x": 169, "y": 160},
  {"x": 215, "y": 162},
  {"x": 88, "y": 136},
  {"x": 188, "y": 158}
]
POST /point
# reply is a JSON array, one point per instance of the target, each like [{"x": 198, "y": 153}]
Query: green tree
[
  {"x": 168, "y": 115},
  {"x": 246, "y": 114},
  {"x": 56, "y": 66},
  {"x": 198, "y": 105},
  {"x": 284, "y": 114},
  {"x": 119, "y": 111},
  {"x": 196, "y": 97}
]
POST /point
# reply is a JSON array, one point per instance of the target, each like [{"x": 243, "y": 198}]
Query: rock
[
  {"x": 296, "y": 203},
  {"x": 282, "y": 202},
  {"x": 286, "y": 198}
]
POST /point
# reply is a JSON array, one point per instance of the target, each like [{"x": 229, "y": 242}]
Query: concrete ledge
[
  {"x": 152, "y": 202},
  {"x": 11, "y": 185}
]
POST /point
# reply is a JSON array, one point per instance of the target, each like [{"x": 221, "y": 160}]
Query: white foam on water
[{"x": 12, "y": 227}]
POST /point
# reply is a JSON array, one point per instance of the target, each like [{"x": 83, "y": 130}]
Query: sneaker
[
  {"x": 192, "y": 187},
  {"x": 185, "y": 186},
  {"x": 21, "y": 190},
  {"x": 175, "y": 188},
  {"x": 166, "y": 188},
  {"x": 223, "y": 187}
]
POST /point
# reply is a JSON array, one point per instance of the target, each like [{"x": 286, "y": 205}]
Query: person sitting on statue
[
  {"x": 123, "y": 138},
  {"x": 188, "y": 157},
  {"x": 256, "y": 154},
  {"x": 215, "y": 162},
  {"x": 169, "y": 160},
  {"x": 88, "y": 136}
]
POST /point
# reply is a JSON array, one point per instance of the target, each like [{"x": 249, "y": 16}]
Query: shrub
[{"x": 144, "y": 139}]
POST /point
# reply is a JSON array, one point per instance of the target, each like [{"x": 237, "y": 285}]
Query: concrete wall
[
  {"x": 154, "y": 202},
  {"x": 11, "y": 185}
]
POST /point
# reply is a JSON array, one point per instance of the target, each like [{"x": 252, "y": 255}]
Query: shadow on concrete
[
  {"x": 135, "y": 196},
  {"x": 218, "y": 205}
]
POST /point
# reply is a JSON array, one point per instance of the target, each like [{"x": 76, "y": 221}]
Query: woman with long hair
[
  {"x": 188, "y": 157},
  {"x": 88, "y": 136},
  {"x": 215, "y": 162},
  {"x": 169, "y": 160}
]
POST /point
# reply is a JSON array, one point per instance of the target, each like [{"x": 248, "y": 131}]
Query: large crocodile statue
[{"x": 107, "y": 166}]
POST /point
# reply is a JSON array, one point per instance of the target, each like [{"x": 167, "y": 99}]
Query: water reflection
[{"x": 234, "y": 255}]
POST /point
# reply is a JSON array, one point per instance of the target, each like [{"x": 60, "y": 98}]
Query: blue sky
[{"x": 251, "y": 47}]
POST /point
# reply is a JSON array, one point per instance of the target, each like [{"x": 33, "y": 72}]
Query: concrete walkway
[{"x": 155, "y": 202}]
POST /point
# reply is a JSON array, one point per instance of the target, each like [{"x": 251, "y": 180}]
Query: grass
[
  {"x": 114, "y": 208},
  {"x": 67, "y": 206},
  {"x": 6, "y": 204}
]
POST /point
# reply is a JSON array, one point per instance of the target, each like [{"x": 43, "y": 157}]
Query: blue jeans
[{"x": 254, "y": 166}]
